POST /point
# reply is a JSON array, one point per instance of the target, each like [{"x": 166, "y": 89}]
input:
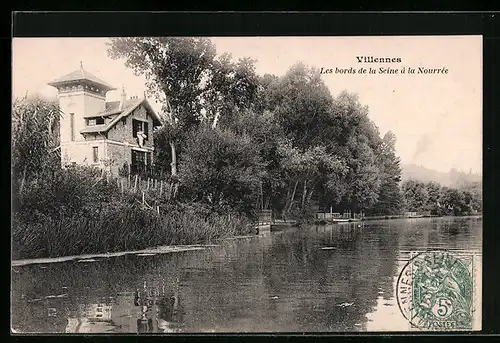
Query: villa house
[{"x": 110, "y": 135}]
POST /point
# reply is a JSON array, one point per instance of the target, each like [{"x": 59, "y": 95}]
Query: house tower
[{"x": 80, "y": 95}]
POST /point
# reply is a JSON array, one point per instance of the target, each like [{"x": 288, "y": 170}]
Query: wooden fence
[
  {"x": 136, "y": 184},
  {"x": 146, "y": 187}
]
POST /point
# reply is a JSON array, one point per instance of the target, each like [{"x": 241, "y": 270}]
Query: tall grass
[
  {"x": 119, "y": 228},
  {"x": 75, "y": 212}
]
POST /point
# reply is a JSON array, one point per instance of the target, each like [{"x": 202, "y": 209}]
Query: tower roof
[{"x": 81, "y": 75}]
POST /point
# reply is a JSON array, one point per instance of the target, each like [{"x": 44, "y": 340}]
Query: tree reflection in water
[
  {"x": 161, "y": 308},
  {"x": 294, "y": 280}
]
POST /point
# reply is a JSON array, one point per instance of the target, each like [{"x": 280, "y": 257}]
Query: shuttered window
[{"x": 146, "y": 130}]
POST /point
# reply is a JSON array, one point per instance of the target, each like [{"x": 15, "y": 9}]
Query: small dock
[
  {"x": 333, "y": 217},
  {"x": 266, "y": 223}
]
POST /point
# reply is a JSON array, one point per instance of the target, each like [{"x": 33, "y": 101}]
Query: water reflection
[{"x": 319, "y": 278}]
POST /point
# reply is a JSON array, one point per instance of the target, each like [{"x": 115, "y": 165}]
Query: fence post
[
  {"x": 161, "y": 187},
  {"x": 135, "y": 183},
  {"x": 128, "y": 184}
]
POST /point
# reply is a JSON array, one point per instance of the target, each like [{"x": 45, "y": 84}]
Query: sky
[{"x": 437, "y": 118}]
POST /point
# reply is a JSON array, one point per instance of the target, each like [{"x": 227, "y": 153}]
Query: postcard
[{"x": 246, "y": 184}]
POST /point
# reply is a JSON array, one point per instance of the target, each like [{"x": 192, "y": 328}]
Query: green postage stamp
[{"x": 439, "y": 291}]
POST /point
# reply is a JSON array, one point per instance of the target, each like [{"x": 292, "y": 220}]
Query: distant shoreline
[{"x": 325, "y": 221}]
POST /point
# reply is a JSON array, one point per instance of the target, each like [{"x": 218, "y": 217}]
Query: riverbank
[
  {"x": 336, "y": 221},
  {"x": 143, "y": 252}
]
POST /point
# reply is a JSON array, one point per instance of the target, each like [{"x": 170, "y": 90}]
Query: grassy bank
[
  {"x": 120, "y": 229},
  {"x": 75, "y": 212}
]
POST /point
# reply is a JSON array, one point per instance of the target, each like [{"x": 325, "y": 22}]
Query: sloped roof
[
  {"x": 132, "y": 105},
  {"x": 113, "y": 107},
  {"x": 81, "y": 75},
  {"x": 95, "y": 129}
]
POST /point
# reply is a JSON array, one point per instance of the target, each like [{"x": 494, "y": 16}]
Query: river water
[{"x": 333, "y": 278}]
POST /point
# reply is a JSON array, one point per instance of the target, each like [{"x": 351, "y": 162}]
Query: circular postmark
[{"x": 435, "y": 291}]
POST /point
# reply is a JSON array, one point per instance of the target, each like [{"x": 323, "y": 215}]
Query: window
[
  {"x": 72, "y": 125},
  {"x": 96, "y": 154},
  {"x": 138, "y": 161},
  {"x": 139, "y": 157},
  {"x": 96, "y": 121},
  {"x": 136, "y": 127}
]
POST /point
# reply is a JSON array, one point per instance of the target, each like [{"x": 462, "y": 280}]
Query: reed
[
  {"x": 122, "y": 227},
  {"x": 76, "y": 212}
]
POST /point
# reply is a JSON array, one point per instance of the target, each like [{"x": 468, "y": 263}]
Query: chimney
[
  {"x": 123, "y": 98},
  {"x": 81, "y": 69}
]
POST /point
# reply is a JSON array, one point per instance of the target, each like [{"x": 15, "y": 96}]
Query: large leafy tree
[
  {"x": 355, "y": 137},
  {"x": 301, "y": 103},
  {"x": 416, "y": 195},
  {"x": 434, "y": 193},
  {"x": 222, "y": 170},
  {"x": 390, "y": 199},
  {"x": 176, "y": 70},
  {"x": 193, "y": 83}
]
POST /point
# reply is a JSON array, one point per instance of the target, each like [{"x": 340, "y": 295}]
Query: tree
[
  {"x": 35, "y": 136},
  {"x": 356, "y": 139},
  {"x": 390, "y": 199},
  {"x": 301, "y": 103},
  {"x": 194, "y": 84},
  {"x": 434, "y": 193},
  {"x": 221, "y": 169},
  {"x": 176, "y": 70},
  {"x": 309, "y": 169},
  {"x": 415, "y": 194},
  {"x": 266, "y": 135},
  {"x": 476, "y": 192}
]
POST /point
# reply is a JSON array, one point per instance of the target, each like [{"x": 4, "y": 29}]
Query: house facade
[{"x": 110, "y": 135}]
